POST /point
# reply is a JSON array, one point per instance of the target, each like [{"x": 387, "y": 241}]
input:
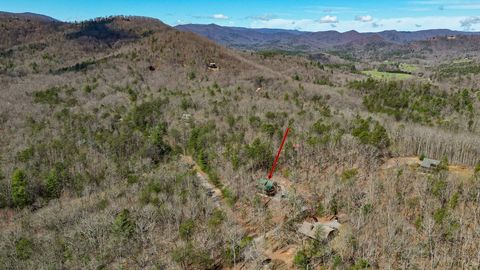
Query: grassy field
[
  {"x": 408, "y": 67},
  {"x": 386, "y": 75}
]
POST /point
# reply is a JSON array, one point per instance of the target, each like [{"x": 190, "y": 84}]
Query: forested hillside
[{"x": 123, "y": 147}]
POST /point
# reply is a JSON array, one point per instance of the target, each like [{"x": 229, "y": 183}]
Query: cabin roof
[{"x": 429, "y": 163}]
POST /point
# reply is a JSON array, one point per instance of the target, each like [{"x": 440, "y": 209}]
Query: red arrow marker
[{"x": 278, "y": 154}]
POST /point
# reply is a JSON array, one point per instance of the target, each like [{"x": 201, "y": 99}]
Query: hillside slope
[{"x": 122, "y": 149}]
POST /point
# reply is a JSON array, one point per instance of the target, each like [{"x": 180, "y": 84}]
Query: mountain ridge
[
  {"x": 261, "y": 38},
  {"x": 29, "y": 15}
]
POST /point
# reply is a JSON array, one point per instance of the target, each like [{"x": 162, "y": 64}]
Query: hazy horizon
[
  {"x": 304, "y": 15},
  {"x": 249, "y": 27}
]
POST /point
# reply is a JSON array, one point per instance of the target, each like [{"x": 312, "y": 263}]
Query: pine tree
[{"x": 19, "y": 188}]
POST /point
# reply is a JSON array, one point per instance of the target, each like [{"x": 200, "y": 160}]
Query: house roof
[
  {"x": 310, "y": 229},
  {"x": 266, "y": 184},
  {"x": 428, "y": 163}
]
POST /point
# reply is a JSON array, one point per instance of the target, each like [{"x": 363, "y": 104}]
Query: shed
[{"x": 429, "y": 163}]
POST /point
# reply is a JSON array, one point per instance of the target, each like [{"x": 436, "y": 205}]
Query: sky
[{"x": 305, "y": 15}]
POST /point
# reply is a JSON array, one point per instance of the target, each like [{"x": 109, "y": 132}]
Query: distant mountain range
[
  {"x": 31, "y": 25},
  {"x": 261, "y": 39}
]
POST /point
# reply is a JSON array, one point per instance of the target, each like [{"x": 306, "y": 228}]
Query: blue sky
[{"x": 307, "y": 15}]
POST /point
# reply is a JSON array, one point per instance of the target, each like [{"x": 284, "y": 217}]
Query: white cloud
[
  {"x": 327, "y": 9},
  {"x": 302, "y": 24},
  {"x": 468, "y": 23},
  {"x": 328, "y": 19},
  {"x": 400, "y": 24},
  {"x": 416, "y": 23},
  {"x": 220, "y": 17},
  {"x": 264, "y": 17},
  {"x": 365, "y": 18}
]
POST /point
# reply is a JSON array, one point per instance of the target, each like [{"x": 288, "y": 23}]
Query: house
[
  {"x": 212, "y": 66},
  {"x": 267, "y": 186},
  {"x": 429, "y": 163},
  {"x": 323, "y": 228},
  {"x": 451, "y": 37}
]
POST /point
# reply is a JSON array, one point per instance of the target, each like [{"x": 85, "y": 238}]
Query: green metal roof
[{"x": 265, "y": 183}]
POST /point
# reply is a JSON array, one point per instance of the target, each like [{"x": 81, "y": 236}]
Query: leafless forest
[{"x": 122, "y": 149}]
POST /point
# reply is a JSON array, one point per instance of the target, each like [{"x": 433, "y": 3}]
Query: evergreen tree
[{"x": 19, "y": 188}]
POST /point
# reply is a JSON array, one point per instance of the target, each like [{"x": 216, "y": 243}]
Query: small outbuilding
[{"x": 429, "y": 164}]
